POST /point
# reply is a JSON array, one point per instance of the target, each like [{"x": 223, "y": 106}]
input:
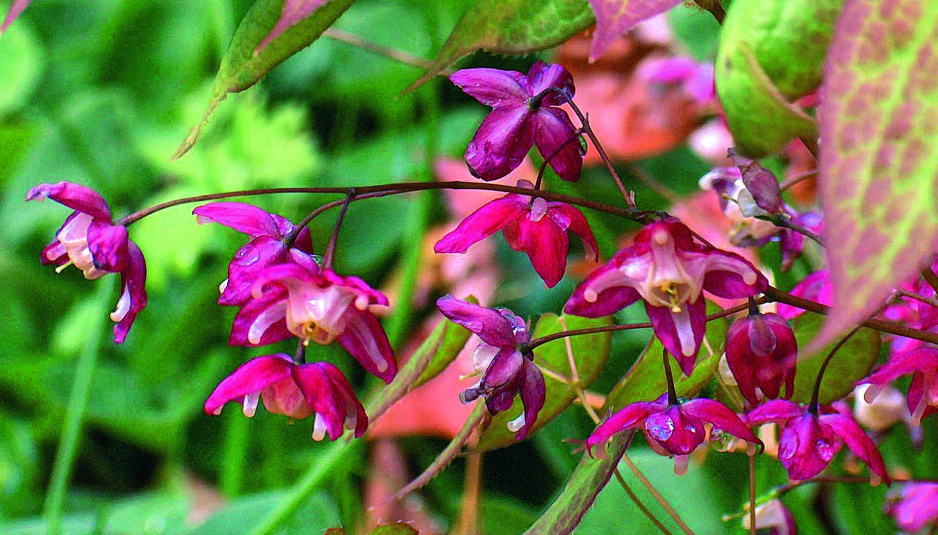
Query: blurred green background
[{"x": 101, "y": 92}]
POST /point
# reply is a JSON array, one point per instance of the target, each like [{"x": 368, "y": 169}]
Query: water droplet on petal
[
  {"x": 825, "y": 450},
  {"x": 660, "y": 427}
]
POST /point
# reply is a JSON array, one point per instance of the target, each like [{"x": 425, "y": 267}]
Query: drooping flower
[
  {"x": 668, "y": 270},
  {"x": 508, "y": 372},
  {"x": 762, "y": 353},
  {"x": 673, "y": 428},
  {"x": 774, "y": 516},
  {"x": 523, "y": 115},
  {"x": 922, "y": 364},
  {"x": 533, "y": 225},
  {"x": 316, "y": 305},
  {"x": 266, "y": 248},
  {"x": 914, "y": 506},
  {"x": 809, "y": 441},
  {"x": 294, "y": 390},
  {"x": 91, "y": 241}
]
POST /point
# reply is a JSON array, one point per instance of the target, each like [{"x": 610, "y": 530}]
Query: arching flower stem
[
  {"x": 672, "y": 393},
  {"x": 330, "y": 250},
  {"x": 813, "y": 405}
]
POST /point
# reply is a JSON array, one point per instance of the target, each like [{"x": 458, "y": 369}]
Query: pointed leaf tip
[
  {"x": 15, "y": 9},
  {"x": 615, "y": 17},
  {"x": 878, "y": 175}
]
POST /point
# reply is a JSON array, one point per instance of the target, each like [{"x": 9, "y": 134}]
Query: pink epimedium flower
[
  {"x": 922, "y": 364},
  {"x": 915, "y": 506},
  {"x": 809, "y": 441},
  {"x": 294, "y": 390},
  {"x": 815, "y": 287},
  {"x": 267, "y": 247},
  {"x": 508, "y": 372},
  {"x": 91, "y": 241},
  {"x": 695, "y": 79},
  {"x": 762, "y": 353},
  {"x": 673, "y": 428},
  {"x": 668, "y": 270},
  {"x": 533, "y": 225},
  {"x": 316, "y": 305},
  {"x": 523, "y": 115}
]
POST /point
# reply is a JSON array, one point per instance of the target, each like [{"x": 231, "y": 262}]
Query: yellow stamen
[
  {"x": 63, "y": 266},
  {"x": 313, "y": 332},
  {"x": 668, "y": 288}
]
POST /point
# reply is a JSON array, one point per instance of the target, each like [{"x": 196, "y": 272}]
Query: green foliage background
[{"x": 101, "y": 92}]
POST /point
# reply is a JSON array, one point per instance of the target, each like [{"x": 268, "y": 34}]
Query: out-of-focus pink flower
[
  {"x": 533, "y": 225},
  {"x": 91, "y": 241},
  {"x": 815, "y": 287},
  {"x": 922, "y": 364},
  {"x": 294, "y": 390},
  {"x": 267, "y": 247},
  {"x": 508, "y": 372},
  {"x": 809, "y": 441},
  {"x": 694, "y": 78},
  {"x": 915, "y": 506},
  {"x": 774, "y": 516},
  {"x": 316, "y": 306},
  {"x": 762, "y": 353},
  {"x": 668, "y": 270},
  {"x": 673, "y": 429},
  {"x": 524, "y": 113}
]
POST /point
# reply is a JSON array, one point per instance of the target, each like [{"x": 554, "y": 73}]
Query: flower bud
[{"x": 761, "y": 351}]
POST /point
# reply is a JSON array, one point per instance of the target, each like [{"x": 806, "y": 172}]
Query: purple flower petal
[
  {"x": 554, "y": 130},
  {"x": 916, "y": 508},
  {"x": 677, "y": 433},
  {"x": 720, "y": 416},
  {"x": 341, "y": 383},
  {"x": 243, "y": 270},
  {"x": 532, "y": 396},
  {"x": 546, "y": 245},
  {"x": 75, "y": 196},
  {"x": 680, "y": 333},
  {"x": 542, "y": 76},
  {"x": 777, "y": 411},
  {"x": 575, "y": 221},
  {"x": 245, "y": 218},
  {"x": 806, "y": 447},
  {"x": 727, "y": 276},
  {"x": 250, "y": 378},
  {"x": 492, "y": 87},
  {"x": 917, "y": 360},
  {"x": 133, "y": 294},
  {"x": 108, "y": 245},
  {"x": 366, "y": 341},
  {"x": 492, "y": 327},
  {"x": 327, "y": 402},
  {"x": 483, "y": 223},
  {"x": 261, "y": 321},
  {"x": 501, "y": 142},
  {"x": 614, "y": 294},
  {"x": 627, "y": 418},
  {"x": 858, "y": 442}
]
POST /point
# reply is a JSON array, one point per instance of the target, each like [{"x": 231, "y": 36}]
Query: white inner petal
[
  {"x": 250, "y": 404},
  {"x": 123, "y": 305},
  {"x": 265, "y": 319},
  {"x": 319, "y": 428}
]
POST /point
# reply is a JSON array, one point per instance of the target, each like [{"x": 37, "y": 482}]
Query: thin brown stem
[
  {"x": 330, "y": 249},
  {"x": 784, "y": 221},
  {"x": 469, "y": 514},
  {"x": 672, "y": 393},
  {"x": 931, "y": 301},
  {"x": 588, "y": 130},
  {"x": 540, "y": 172},
  {"x": 371, "y": 192},
  {"x": 797, "y": 179},
  {"x": 381, "y": 50},
  {"x": 634, "y": 497},
  {"x": 715, "y": 9},
  {"x": 931, "y": 278},
  {"x": 812, "y": 146},
  {"x": 657, "y": 495}
]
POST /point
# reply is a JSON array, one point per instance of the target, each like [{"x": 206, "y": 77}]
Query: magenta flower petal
[
  {"x": 492, "y": 87},
  {"x": 327, "y": 402},
  {"x": 806, "y": 447},
  {"x": 727, "y": 276},
  {"x": 555, "y": 132},
  {"x": 673, "y": 70},
  {"x": 503, "y": 380},
  {"x": 777, "y": 411},
  {"x": 858, "y": 442},
  {"x": 251, "y": 377},
  {"x": 546, "y": 245},
  {"x": 680, "y": 333},
  {"x": 261, "y": 321},
  {"x": 916, "y": 507},
  {"x": 533, "y": 395},
  {"x": 355, "y": 412},
  {"x": 609, "y": 299},
  {"x": 108, "y": 245},
  {"x": 15, "y": 9},
  {"x": 75, "y": 196},
  {"x": 762, "y": 352},
  {"x": 570, "y": 218},
  {"x": 485, "y": 221},
  {"x": 245, "y": 218},
  {"x": 501, "y": 142},
  {"x": 917, "y": 360},
  {"x": 493, "y": 326},
  {"x": 133, "y": 292},
  {"x": 627, "y": 418},
  {"x": 542, "y": 76},
  {"x": 259, "y": 254},
  {"x": 367, "y": 342},
  {"x": 814, "y": 287},
  {"x": 721, "y": 417}
]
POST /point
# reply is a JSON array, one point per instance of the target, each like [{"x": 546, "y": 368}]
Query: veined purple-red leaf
[
  {"x": 293, "y": 12},
  {"x": 15, "y": 9},
  {"x": 878, "y": 121},
  {"x": 615, "y": 17}
]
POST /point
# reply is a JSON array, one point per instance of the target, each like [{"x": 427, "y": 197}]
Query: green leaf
[
  {"x": 511, "y": 27},
  {"x": 244, "y": 64},
  {"x": 21, "y": 62},
  {"x": 428, "y": 361},
  {"x": 761, "y": 119},
  {"x": 851, "y": 363},
  {"x": 315, "y": 515},
  {"x": 879, "y": 166},
  {"x": 399, "y": 528},
  {"x": 646, "y": 380},
  {"x": 590, "y": 353}
]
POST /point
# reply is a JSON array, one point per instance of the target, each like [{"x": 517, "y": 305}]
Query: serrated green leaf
[
  {"x": 879, "y": 166},
  {"x": 244, "y": 64},
  {"x": 590, "y": 353},
  {"x": 851, "y": 363},
  {"x": 432, "y": 357},
  {"x": 511, "y": 27},
  {"x": 645, "y": 381},
  {"x": 761, "y": 119}
]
